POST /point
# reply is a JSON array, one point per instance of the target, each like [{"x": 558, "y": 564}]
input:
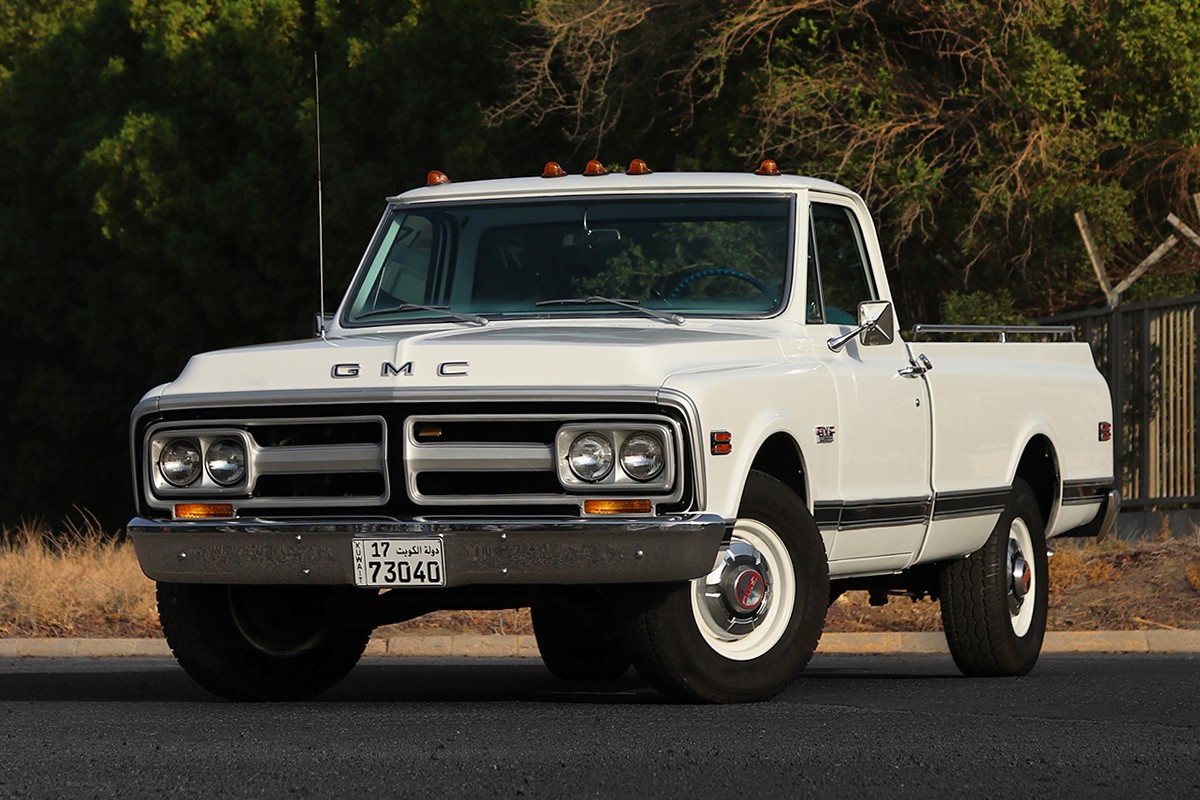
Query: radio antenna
[{"x": 320, "y": 199}]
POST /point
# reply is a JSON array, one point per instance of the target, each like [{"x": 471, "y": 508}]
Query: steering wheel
[{"x": 724, "y": 272}]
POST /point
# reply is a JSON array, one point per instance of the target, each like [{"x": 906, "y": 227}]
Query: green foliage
[
  {"x": 974, "y": 130},
  {"x": 160, "y": 192},
  {"x": 982, "y": 308},
  {"x": 159, "y": 159}
]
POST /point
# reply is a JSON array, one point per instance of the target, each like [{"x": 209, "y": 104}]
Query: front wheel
[
  {"x": 994, "y": 601},
  {"x": 746, "y": 630},
  {"x": 259, "y": 642}
]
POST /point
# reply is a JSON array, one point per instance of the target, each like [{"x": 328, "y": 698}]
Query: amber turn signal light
[
  {"x": 203, "y": 510},
  {"x": 617, "y": 507}
]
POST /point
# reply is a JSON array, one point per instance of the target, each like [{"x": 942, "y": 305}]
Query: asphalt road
[{"x": 852, "y": 726}]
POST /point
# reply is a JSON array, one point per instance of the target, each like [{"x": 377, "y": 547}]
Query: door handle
[{"x": 914, "y": 370}]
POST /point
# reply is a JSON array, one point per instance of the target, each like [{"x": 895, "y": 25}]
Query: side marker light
[
  {"x": 553, "y": 170},
  {"x": 768, "y": 167},
  {"x": 594, "y": 168},
  {"x": 721, "y": 443},
  {"x": 435, "y": 178},
  {"x": 638, "y": 167}
]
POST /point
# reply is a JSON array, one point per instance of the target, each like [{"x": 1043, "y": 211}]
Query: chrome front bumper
[{"x": 476, "y": 551}]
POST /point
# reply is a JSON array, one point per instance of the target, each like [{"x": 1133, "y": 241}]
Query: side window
[{"x": 841, "y": 263}]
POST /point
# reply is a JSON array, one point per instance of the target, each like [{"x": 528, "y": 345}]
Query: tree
[
  {"x": 974, "y": 130},
  {"x": 161, "y": 192}
]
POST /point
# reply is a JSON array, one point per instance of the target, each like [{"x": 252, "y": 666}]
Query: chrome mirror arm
[{"x": 838, "y": 342}]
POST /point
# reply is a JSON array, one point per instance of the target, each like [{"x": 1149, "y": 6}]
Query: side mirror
[
  {"x": 876, "y": 324},
  {"x": 877, "y": 321}
]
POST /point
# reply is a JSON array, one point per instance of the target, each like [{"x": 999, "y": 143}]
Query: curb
[{"x": 524, "y": 646}]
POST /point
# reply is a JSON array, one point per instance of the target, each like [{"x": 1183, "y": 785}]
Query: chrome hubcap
[
  {"x": 743, "y": 607},
  {"x": 737, "y": 593},
  {"x": 1022, "y": 580},
  {"x": 1020, "y": 577}
]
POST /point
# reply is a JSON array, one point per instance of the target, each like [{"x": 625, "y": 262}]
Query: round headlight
[
  {"x": 642, "y": 456},
  {"x": 590, "y": 457},
  {"x": 226, "y": 461},
  {"x": 179, "y": 462}
]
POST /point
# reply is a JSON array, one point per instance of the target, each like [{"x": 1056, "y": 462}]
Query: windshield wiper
[
  {"x": 632, "y": 305},
  {"x": 474, "y": 319}
]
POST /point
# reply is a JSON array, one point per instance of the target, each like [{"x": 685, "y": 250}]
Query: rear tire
[
  {"x": 994, "y": 601},
  {"x": 745, "y": 631},
  {"x": 579, "y": 641},
  {"x": 258, "y": 642}
]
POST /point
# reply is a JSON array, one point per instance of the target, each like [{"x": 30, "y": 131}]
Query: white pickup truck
[{"x": 671, "y": 413}]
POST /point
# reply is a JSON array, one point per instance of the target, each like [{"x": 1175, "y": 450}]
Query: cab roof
[{"x": 615, "y": 183}]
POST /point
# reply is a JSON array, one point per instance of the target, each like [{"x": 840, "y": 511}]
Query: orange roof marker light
[
  {"x": 434, "y": 178},
  {"x": 638, "y": 167},
  {"x": 553, "y": 170},
  {"x": 594, "y": 168},
  {"x": 768, "y": 167}
]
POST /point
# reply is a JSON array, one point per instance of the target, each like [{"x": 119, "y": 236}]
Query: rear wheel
[
  {"x": 746, "y": 630},
  {"x": 994, "y": 601},
  {"x": 259, "y": 642}
]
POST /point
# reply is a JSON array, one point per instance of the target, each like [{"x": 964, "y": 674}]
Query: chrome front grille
[
  {"x": 476, "y": 460},
  {"x": 321, "y": 462}
]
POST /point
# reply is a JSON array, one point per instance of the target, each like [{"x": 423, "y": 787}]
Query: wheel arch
[
  {"x": 780, "y": 457},
  {"x": 1039, "y": 468}
]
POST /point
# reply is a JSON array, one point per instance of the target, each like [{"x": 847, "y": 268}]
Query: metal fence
[{"x": 1148, "y": 353}]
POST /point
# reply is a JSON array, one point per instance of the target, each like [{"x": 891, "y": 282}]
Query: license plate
[{"x": 398, "y": 562}]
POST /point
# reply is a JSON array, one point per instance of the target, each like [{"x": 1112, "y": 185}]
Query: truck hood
[{"x": 497, "y": 357}]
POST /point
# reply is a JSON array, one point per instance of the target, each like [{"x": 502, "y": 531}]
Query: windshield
[{"x": 725, "y": 256}]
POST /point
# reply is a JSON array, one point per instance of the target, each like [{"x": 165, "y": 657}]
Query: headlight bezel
[
  {"x": 205, "y": 484},
  {"x": 617, "y": 479}
]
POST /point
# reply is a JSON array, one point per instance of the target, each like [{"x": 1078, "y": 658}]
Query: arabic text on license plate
[{"x": 399, "y": 562}]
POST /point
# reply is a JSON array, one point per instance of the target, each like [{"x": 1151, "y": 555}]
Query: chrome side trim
[
  {"x": 1103, "y": 523},
  {"x": 888, "y": 513},
  {"x": 971, "y": 503},
  {"x": 477, "y": 551},
  {"x": 1077, "y": 493}
]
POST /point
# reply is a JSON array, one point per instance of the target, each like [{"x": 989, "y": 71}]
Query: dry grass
[
  {"x": 1193, "y": 575},
  {"x": 84, "y": 582},
  {"x": 77, "y": 582}
]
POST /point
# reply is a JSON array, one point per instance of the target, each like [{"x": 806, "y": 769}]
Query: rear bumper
[{"x": 476, "y": 551}]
